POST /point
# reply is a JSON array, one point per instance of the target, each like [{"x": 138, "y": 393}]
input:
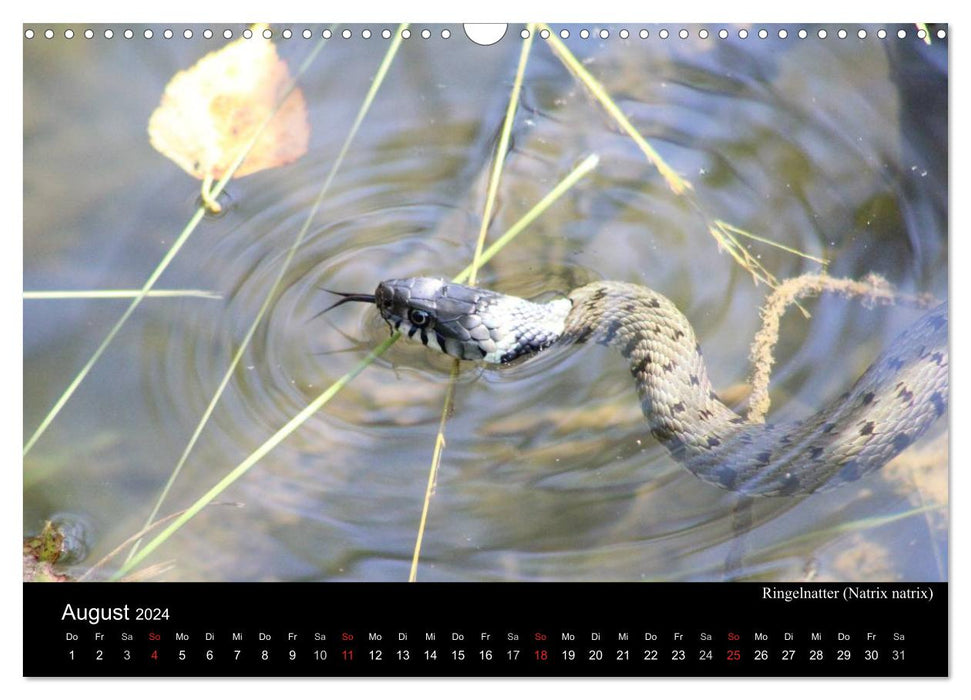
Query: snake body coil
[{"x": 894, "y": 402}]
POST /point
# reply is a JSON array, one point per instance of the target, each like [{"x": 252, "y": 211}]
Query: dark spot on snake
[
  {"x": 922, "y": 353},
  {"x": 694, "y": 380},
  {"x": 737, "y": 420},
  {"x": 905, "y": 395},
  {"x": 726, "y": 476},
  {"x": 937, "y": 321},
  {"x": 657, "y": 328},
  {"x": 641, "y": 365},
  {"x": 867, "y": 398},
  {"x": 675, "y": 447},
  {"x": 669, "y": 367},
  {"x": 712, "y": 395},
  {"x": 814, "y": 452},
  {"x": 412, "y": 331},
  {"x": 764, "y": 458},
  {"x": 599, "y": 294},
  {"x": 850, "y": 471},
  {"x": 671, "y": 441},
  {"x": 698, "y": 348},
  {"x": 867, "y": 428},
  {"x": 654, "y": 303},
  {"x": 828, "y": 427},
  {"x": 713, "y": 441},
  {"x": 901, "y": 441},
  {"x": 938, "y": 358},
  {"x": 584, "y": 335},
  {"x": 678, "y": 334},
  {"x": 789, "y": 486},
  {"x": 629, "y": 347},
  {"x": 629, "y": 307},
  {"x": 894, "y": 364},
  {"x": 939, "y": 404},
  {"x": 661, "y": 434},
  {"x": 704, "y": 414},
  {"x": 785, "y": 439},
  {"x": 845, "y": 395},
  {"x": 677, "y": 408},
  {"x": 612, "y": 328}
]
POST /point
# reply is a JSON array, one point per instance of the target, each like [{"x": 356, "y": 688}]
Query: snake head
[
  {"x": 467, "y": 323},
  {"x": 445, "y": 316}
]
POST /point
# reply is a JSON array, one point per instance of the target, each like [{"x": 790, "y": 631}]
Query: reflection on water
[{"x": 834, "y": 147}]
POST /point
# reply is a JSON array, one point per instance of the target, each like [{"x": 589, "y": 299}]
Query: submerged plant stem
[
  {"x": 433, "y": 470},
  {"x": 141, "y": 533}
]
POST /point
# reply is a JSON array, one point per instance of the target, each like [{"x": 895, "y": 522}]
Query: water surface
[{"x": 833, "y": 146}]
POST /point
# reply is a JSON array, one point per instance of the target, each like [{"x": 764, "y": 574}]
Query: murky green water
[{"x": 835, "y": 146}]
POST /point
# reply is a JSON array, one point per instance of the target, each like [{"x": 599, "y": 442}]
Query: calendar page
[{"x": 485, "y": 350}]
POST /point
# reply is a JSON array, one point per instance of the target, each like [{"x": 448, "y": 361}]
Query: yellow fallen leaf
[{"x": 211, "y": 111}]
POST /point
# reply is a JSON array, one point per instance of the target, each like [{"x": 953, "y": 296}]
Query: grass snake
[{"x": 892, "y": 404}]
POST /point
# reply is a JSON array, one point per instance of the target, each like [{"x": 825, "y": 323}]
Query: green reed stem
[
  {"x": 492, "y": 190},
  {"x": 167, "y": 259},
  {"x": 584, "y": 168},
  {"x": 271, "y": 294},
  {"x": 122, "y": 294}
]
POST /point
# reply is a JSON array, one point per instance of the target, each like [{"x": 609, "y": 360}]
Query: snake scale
[{"x": 892, "y": 404}]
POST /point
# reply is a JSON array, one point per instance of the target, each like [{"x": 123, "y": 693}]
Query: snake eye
[{"x": 418, "y": 317}]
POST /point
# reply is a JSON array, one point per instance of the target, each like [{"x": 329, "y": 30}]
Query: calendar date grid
[{"x": 548, "y": 647}]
